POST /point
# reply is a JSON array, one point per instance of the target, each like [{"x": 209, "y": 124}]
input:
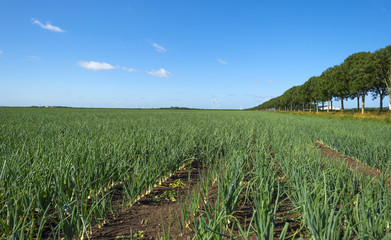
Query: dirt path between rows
[
  {"x": 285, "y": 210},
  {"x": 153, "y": 215},
  {"x": 154, "y": 212},
  {"x": 351, "y": 163}
]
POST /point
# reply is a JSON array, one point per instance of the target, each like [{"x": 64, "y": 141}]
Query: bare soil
[
  {"x": 151, "y": 218},
  {"x": 285, "y": 210},
  {"x": 351, "y": 163},
  {"x": 152, "y": 212}
]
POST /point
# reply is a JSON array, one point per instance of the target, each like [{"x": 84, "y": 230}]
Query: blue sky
[{"x": 202, "y": 54}]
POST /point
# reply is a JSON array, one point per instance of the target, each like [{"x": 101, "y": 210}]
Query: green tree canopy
[{"x": 361, "y": 79}]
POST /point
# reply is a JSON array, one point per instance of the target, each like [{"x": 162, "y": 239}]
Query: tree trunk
[
  {"x": 303, "y": 107},
  {"x": 317, "y": 106},
  {"x": 322, "y": 105},
  {"x": 342, "y": 103},
  {"x": 362, "y": 103},
  {"x": 291, "y": 107},
  {"x": 358, "y": 102},
  {"x": 381, "y": 101},
  {"x": 331, "y": 101},
  {"x": 389, "y": 99},
  {"x": 309, "y": 104},
  {"x": 328, "y": 105}
]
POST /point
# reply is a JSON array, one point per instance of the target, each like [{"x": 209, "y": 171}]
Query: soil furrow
[
  {"x": 159, "y": 209},
  {"x": 351, "y": 163}
]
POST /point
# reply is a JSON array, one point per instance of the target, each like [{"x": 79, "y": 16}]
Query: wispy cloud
[
  {"x": 35, "y": 57},
  {"x": 270, "y": 81},
  {"x": 129, "y": 69},
  {"x": 158, "y": 47},
  {"x": 221, "y": 61},
  {"x": 95, "y": 65},
  {"x": 47, "y": 26},
  {"x": 264, "y": 96},
  {"x": 160, "y": 73},
  {"x": 1, "y": 51}
]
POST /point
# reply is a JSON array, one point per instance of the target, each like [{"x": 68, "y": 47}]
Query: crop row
[
  {"x": 330, "y": 201},
  {"x": 57, "y": 167}
]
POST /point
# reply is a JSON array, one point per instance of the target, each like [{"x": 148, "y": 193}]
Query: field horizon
[{"x": 70, "y": 173}]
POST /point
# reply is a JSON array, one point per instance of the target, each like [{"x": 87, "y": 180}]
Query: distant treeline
[{"x": 360, "y": 74}]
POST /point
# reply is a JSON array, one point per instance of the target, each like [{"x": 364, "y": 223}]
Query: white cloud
[
  {"x": 1, "y": 52},
  {"x": 263, "y": 96},
  {"x": 158, "y": 47},
  {"x": 221, "y": 61},
  {"x": 160, "y": 73},
  {"x": 270, "y": 81},
  {"x": 34, "y": 57},
  {"x": 129, "y": 69},
  {"x": 47, "y": 26},
  {"x": 95, "y": 65}
]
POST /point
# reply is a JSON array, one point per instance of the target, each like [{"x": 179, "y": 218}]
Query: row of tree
[{"x": 360, "y": 74}]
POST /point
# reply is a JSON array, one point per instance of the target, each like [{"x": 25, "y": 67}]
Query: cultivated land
[
  {"x": 369, "y": 115},
  {"x": 73, "y": 173}
]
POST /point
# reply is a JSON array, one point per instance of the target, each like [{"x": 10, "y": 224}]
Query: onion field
[{"x": 59, "y": 166}]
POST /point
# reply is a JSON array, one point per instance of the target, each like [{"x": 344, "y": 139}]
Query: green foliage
[
  {"x": 359, "y": 74},
  {"x": 178, "y": 184},
  {"x": 58, "y": 168},
  {"x": 169, "y": 195}
]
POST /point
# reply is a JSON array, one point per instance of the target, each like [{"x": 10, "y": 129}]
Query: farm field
[
  {"x": 373, "y": 116},
  {"x": 257, "y": 175}
]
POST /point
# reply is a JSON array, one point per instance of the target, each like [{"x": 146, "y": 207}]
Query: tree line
[{"x": 360, "y": 74}]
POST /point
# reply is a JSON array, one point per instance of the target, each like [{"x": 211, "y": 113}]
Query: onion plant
[{"x": 59, "y": 168}]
